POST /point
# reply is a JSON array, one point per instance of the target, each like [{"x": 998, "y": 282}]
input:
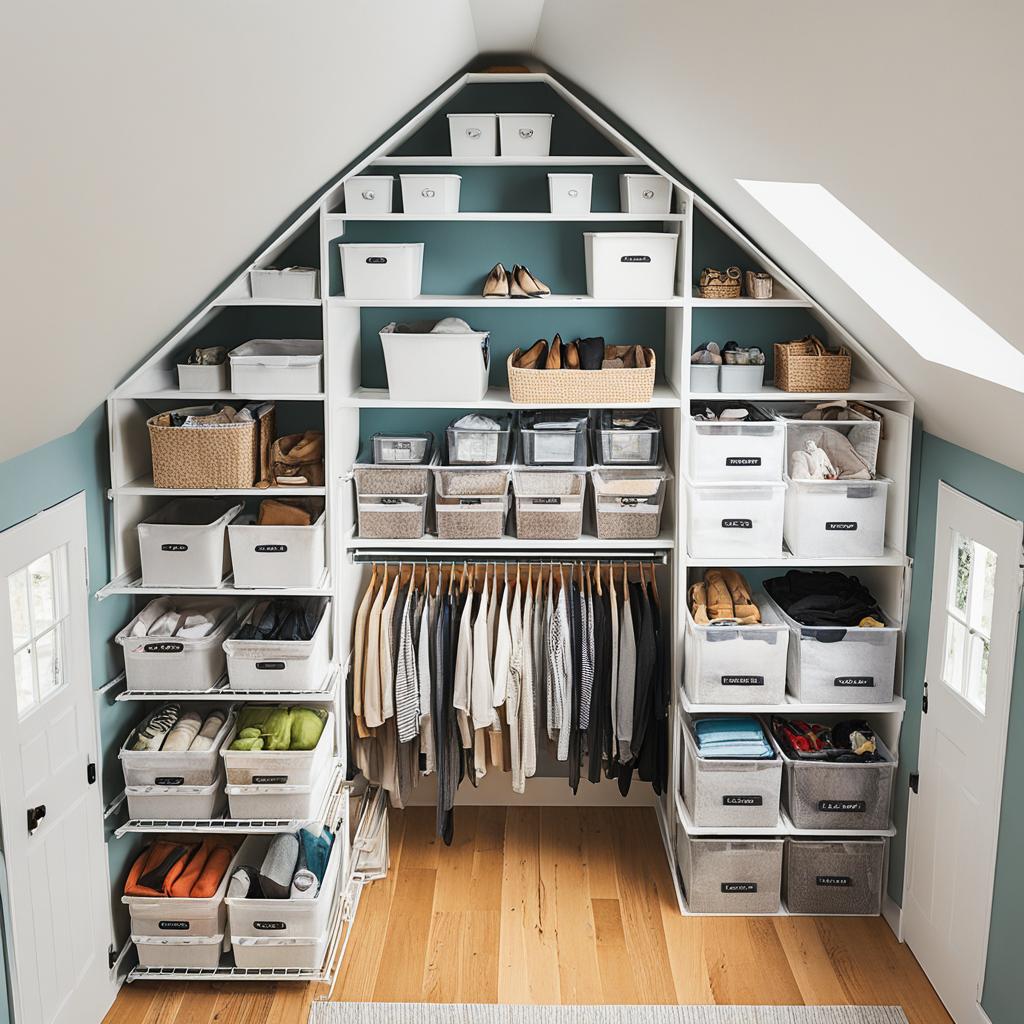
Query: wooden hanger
[{"x": 654, "y": 586}]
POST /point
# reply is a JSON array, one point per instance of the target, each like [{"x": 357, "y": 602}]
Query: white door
[
  {"x": 954, "y": 817},
  {"x": 50, "y": 809}
]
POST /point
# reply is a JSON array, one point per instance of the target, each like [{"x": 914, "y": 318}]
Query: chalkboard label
[
  {"x": 841, "y": 527},
  {"x": 743, "y": 460},
  {"x": 271, "y": 549},
  {"x": 174, "y": 547},
  {"x": 270, "y": 666},
  {"x": 470, "y": 501},
  {"x": 269, "y": 926},
  {"x": 738, "y": 887},
  {"x": 634, "y": 259},
  {"x": 164, "y": 647},
  {"x": 743, "y": 680},
  {"x": 633, "y": 502},
  {"x": 855, "y": 681},
  {"x": 843, "y": 806},
  {"x": 834, "y": 881},
  {"x": 269, "y": 780},
  {"x": 376, "y": 259},
  {"x": 743, "y": 801},
  {"x": 390, "y": 501},
  {"x": 737, "y": 524},
  {"x": 551, "y": 500},
  {"x": 169, "y": 780},
  {"x": 173, "y": 926}
]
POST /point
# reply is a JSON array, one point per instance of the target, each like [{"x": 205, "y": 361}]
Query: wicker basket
[
  {"x": 225, "y": 456},
  {"x": 758, "y": 284},
  {"x": 537, "y": 387},
  {"x": 720, "y": 284},
  {"x": 806, "y": 365}
]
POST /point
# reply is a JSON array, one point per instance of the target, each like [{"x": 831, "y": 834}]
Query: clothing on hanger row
[{"x": 461, "y": 668}]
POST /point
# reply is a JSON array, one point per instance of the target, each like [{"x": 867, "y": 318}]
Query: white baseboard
[
  {"x": 495, "y": 790},
  {"x": 893, "y": 914},
  {"x": 983, "y": 1017}
]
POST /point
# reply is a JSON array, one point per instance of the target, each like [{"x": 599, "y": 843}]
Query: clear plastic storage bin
[
  {"x": 834, "y": 876},
  {"x": 630, "y": 265},
  {"x": 628, "y": 502},
  {"x": 278, "y": 366},
  {"x": 469, "y": 446},
  {"x": 842, "y": 518},
  {"x": 645, "y": 193},
  {"x": 731, "y": 664},
  {"x": 293, "y": 953},
  {"x": 372, "y": 270},
  {"x": 402, "y": 449},
  {"x": 736, "y": 451},
  {"x": 181, "y": 953},
  {"x": 374, "y": 480},
  {"x": 570, "y": 193},
  {"x": 549, "y": 503},
  {"x": 195, "y": 768},
  {"x": 175, "y": 803},
  {"x": 473, "y": 135},
  {"x": 730, "y": 876},
  {"x": 627, "y": 437},
  {"x": 247, "y": 768},
  {"x": 431, "y": 193},
  {"x": 525, "y": 134},
  {"x": 729, "y": 792},
  {"x": 864, "y": 434},
  {"x": 184, "y": 544},
  {"x": 369, "y": 194},
  {"x": 742, "y": 520},
  {"x": 277, "y": 556},
  {"x": 436, "y": 367},
  {"x": 553, "y": 439}
]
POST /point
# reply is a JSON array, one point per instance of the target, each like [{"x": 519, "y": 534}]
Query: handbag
[{"x": 297, "y": 460}]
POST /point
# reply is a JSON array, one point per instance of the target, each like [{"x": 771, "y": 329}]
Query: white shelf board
[
  {"x": 222, "y": 694},
  {"x": 143, "y": 485},
  {"x": 248, "y": 300},
  {"x": 492, "y": 216},
  {"x": 164, "y": 384},
  {"x": 664, "y": 397},
  {"x": 860, "y": 390},
  {"x": 131, "y": 584},
  {"x": 586, "y": 542},
  {"x": 782, "y": 302},
  {"x": 507, "y": 161},
  {"x": 897, "y": 706},
  {"x": 789, "y": 561},
  {"x": 551, "y": 301}
]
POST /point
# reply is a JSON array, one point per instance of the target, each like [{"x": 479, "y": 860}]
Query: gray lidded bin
[
  {"x": 828, "y": 876},
  {"x": 731, "y": 876},
  {"x": 729, "y": 792}
]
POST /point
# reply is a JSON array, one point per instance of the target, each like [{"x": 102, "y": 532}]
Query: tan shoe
[
  {"x": 525, "y": 285},
  {"x": 699, "y": 604},
  {"x": 496, "y": 285},
  {"x": 571, "y": 356},
  {"x": 744, "y": 609},
  {"x": 554, "y": 360},
  {"x": 535, "y": 356},
  {"x": 719, "y": 599}
]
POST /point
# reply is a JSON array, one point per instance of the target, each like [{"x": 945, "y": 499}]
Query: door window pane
[
  {"x": 49, "y": 661},
  {"x": 23, "y": 681},
  {"x": 21, "y": 623},
  {"x": 44, "y": 612}
]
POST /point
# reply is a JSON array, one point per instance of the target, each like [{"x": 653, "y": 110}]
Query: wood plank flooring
[{"x": 559, "y": 905}]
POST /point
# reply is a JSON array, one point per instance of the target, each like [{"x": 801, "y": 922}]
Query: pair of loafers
[
  {"x": 517, "y": 283},
  {"x": 581, "y": 354}
]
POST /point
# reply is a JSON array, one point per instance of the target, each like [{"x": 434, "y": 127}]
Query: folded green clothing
[{"x": 279, "y": 728}]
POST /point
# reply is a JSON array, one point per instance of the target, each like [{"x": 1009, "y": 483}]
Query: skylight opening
[{"x": 940, "y": 328}]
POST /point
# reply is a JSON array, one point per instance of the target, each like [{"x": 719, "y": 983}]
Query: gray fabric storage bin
[
  {"x": 830, "y": 876},
  {"x": 731, "y": 876}
]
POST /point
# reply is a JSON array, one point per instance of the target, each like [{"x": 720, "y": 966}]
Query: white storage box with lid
[
  {"x": 279, "y": 767},
  {"x": 628, "y": 502},
  {"x": 285, "y": 802},
  {"x": 645, "y": 193},
  {"x": 704, "y": 378},
  {"x": 166, "y": 768},
  {"x": 549, "y": 503},
  {"x": 172, "y": 662},
  {"x": 734, "y": 520},
  {"x": 436, "y": 367},
  {"x": 278, "y": 366},
  {"x": 525, "y": 134},
  {"x": 840, "y": 518},
  {"x": 198, "y": 951},
  {"x": 570, "y": 193},
  {"x": 284, "y": 283},
  {"x": 477, "y": 446},
  {"x": 369, "y": 193},
  {"x": 730, "y": 876},
  {"x": 626, "y": 437},
  {"x": 282, "y": 664},
  {"x": 203, "y": 379},
  {"x": 431, "y": 193},
  {"x": 175, "y": 803},
  {"x": 277, "y": 556},
  {"x": 630, "y": 265},
  {"x": 729, "y": 792},
  {"x": 402, "y": 449},
  {"x": 732, "y": 451},
  {"x": 841, "y": 665},
  {"x": 473, "y": 135},
  {"x": 372, "y": 270},
  {"x": 184, "y": 544},
  {"x": 834, "y": 876},
  {"x": 553, "y": 439},
  {"x": 292, "y": 953},
  {"x": 732, "y": 664}
]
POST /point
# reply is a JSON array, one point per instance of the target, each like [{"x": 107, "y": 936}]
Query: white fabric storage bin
[
  {"x": 738, "y": 380},
  {"x": 281, "y": 664},
  {"x": 730, "y": 876},
  {"x": 202, "y": 952},
  {"x": 436, "y": 367},
  {"x": 628, "y": 502},
  {"x": 734, "y": 520},
  {"x": 630, "y": 265},
  {"x": 203, "y": 379},
  {"x": 281, "y": 954},
  {"x": 284, "y": 283},
  {"x": 184, "y": 544},
  {"x": 175, "y": 803},
  {"x": 864, "y": 435},
  {"x": 729, "y": 792},
  {"x": 645, "y": 193},
  {"x": 369, "y": 193},
  {"x": 193, "y": 768},
  {"x": 261, "y": 768},
  {"x": 285, "y": 802},
  {"x": 431, "y": 193},
  {"x": 836, "y": 517},
  {"x": 278, "y": 366},
  {"x": 277, "y": 556},
  {"x": 736, "y": 451},
  {"x": 372, "y": 270},
  {"x": 829, "y": 876},
  {"x": 175, "y": 663},
  {"x": 525, "y": 134},
  {"x": 570, "y": 193},
  {"x": 731, "y": 664},
  {"x": 473, "y": 135},
  {"x": 704, "y": 378}
]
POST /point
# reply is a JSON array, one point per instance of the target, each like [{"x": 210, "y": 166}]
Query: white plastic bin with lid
[
  {"x": 834, "y": 876},
  {"x": 431, "y": 193},
  {"x": 277, "y": 556},
  {"x": 841, "y": 518},
  {"x": 282, "y": 664},
  {"x": 175, "y": 803},
  {"x": 630, "y": 265},
  {"x": 291, "y": 953},
  {"x": 278, "y": 366},
  {"x": 733, "y": 451},
  {"x": 732, "y": 664},
  {"x": 729, "y": 792},
  {"x": 645, "y": 193},
  {"x": 436, "y": 367},
  {"x": 570, "y": 193},
  {"x": 841, "y": 665},
  {"x": 473, "y": 135},
  {"x": 198, "y": 951},
  {"x": 379, "y": 270},
  {"x": 628, "y": 502},
  {"x": 279, "y": 767},
  {"x": 203, "y": 379},
  {"x": 369, "y": 194},
  {"x": 704, "y": 378},
  {"x": 730, "y": 876},
  {"x": 734, "y": 520},
  {"x": 549, "y": 503},
  {"x": 525, "y": 134},
  {"x": 734, "y": 379},
  {"x": 172, "y": 662},
  {"x": 184, "y": 544},
  {"x": 284, "y": 282},
  {"x": 168, "y": 768},
  {"x": 277, "y": 800}
]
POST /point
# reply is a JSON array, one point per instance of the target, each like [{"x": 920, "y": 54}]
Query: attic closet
[{"x": 439, "y": 551}]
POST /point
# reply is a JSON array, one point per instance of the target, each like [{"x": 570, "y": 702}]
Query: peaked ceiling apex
[{"x": 506, "y": 28}]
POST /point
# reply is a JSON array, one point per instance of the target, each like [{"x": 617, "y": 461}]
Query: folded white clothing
[
  {"x": 451, "y": 325},
  {"x": 476, "y": 422},
  {"x": 161, "y": 618},
  {"x": 196, "y": 626}
]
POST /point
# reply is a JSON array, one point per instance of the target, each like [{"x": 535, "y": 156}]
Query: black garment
[
  {"x": 283, "y": 618},
  {"x": 652, "y": 760},
  {"x": 576, "y": 633},
  {"x": 823, "y": 599},
  {"x": 598, "y": 735},
  {"x": 447, "y": 750},
  {"x": 646, "y": 655}
]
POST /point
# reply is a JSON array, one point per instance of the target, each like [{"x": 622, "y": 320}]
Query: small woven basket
[
  {"x": 758, "y": 284},
  {"x": 806, "y": 365},
  {"x": 720, "y": 284},
  {"x": 537, "y": 387}
]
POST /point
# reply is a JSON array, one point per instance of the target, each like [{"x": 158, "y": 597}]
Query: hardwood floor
[{"x": 559, "y": 905}]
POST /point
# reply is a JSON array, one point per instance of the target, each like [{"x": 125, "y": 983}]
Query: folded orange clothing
[
  {"x": 202, "y": 877},
  {"x": 157, "y": 868}
]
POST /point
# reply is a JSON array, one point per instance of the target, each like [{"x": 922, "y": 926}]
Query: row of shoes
[
  {"x": 581, "y": 354},
  {"x": 722, "y": 597},
  {"x": 517, "y": 283}
]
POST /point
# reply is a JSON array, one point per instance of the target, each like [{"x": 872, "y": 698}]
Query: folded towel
[
  {"x": 316, "y": 851},
  {"x": 157, "y": 868},
  {"x": 184, "y": 732},
  {"x": 278, "y": 867}
]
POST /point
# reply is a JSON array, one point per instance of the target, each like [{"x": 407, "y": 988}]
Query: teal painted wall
[{"x": 1002, "y": 489}]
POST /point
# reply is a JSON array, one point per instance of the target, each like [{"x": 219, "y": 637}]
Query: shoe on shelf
[
  {"x": 554, "y": 360},
  {"x": 496, "y": 285},
  {"x": 571, "y": 356},
  {"x": 525, "y": 286},
  {"x": 535, "y": 356}
]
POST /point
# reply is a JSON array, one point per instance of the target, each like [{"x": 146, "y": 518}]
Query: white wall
[
  {"x": 909, "y": 113},
  {"x": 150, "y": 147}
]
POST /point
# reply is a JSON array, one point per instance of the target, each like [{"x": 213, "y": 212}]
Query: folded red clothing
[{"x": 158, "y": 868}]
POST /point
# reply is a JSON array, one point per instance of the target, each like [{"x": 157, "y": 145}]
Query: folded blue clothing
[
  {"x": 738, "y": 737},
  {"x": 316, "y": 851}
]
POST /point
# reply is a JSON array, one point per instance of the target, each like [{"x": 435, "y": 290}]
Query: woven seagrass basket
[
  {"x": 537, "y": 387},
  {"x": 806, "y": 365}
]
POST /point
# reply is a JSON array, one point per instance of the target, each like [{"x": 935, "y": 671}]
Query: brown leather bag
[{"x": 298, "y": 460}]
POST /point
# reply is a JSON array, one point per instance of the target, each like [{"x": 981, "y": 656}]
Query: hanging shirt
[
  {"x": 482, "y": 693},
  {"x": 387, "y": 665},
  {"x": 372, "y": 705},
  {"x": 560, "y": 658},
  {"x": 424, "y": 675},
  {"x": 407, "y": 690},
  {"x": 586, "y": 654},
  {"x": 464, "y": 670},
  {"x": 359, "y": 654},
  {"x": 613, "y": 685},
  {"x": 513, "y": 690},
  {"x": 502, "y": 649},
  {"x": 527, "y": 737},
  {"x": 627, "y": 680}
]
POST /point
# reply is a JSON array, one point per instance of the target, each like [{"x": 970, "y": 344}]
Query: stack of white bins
[{"x": 476, "y": 136}]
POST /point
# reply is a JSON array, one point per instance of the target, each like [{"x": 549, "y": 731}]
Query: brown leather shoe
[
  {"x": 554, "y": 360},
  {"x": 534, "y": 357},
  {"x": 571, "y": 357}
]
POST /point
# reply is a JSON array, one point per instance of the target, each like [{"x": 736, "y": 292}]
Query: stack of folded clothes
[
  {"x": 279, "y": 728},
  {"x": 169, "y": 730},
  {"x": 825, "y": 599},
  {"x": 735, "y": 737},
  {"x": 293, "y": 868},
  {"x": 180, "y": 870},
  {"x": 723, "y": 597},
  {"x": 162, "y": 618},
  {"x": 845, "y": 742}
]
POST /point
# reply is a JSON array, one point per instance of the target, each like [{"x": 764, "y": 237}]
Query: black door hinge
[
  {"x": 112, "y": 957},
  {"x": 90, "y": 772},
  {"x": 924, "y": 700},
  {"x": 915, "y": 779}
]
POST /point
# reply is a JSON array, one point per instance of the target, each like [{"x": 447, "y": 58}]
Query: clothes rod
[{"x": 421, "y": 557}]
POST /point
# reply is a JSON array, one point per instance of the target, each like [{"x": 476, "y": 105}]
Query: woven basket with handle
[
  {"x": 537, "y": 387},
  {"x": 720, "y": 284},
  {"x": 807, "y": 365},
  {"x": 758, "y": 284}
]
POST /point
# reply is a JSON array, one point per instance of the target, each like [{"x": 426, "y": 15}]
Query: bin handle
[{"x": 526, "y": 133}]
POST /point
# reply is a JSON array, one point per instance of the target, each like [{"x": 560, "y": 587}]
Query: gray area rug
[{"x": 475, "y": 1013}]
